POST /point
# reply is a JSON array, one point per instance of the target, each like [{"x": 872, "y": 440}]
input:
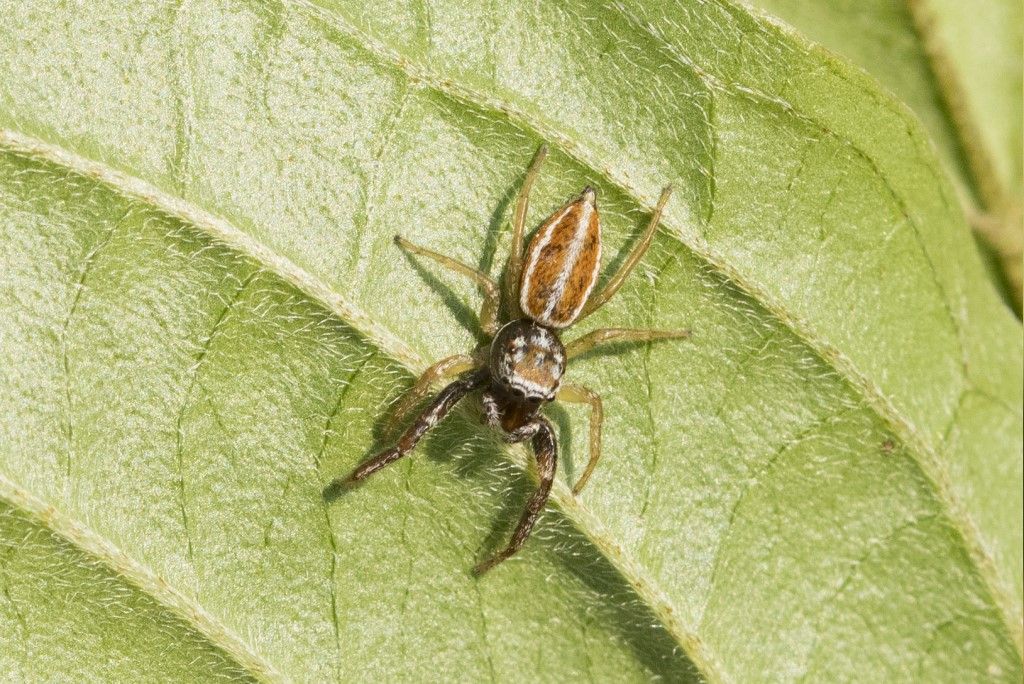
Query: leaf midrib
[
  {"x": 994, "y": 208},
  {"x": 398, "y": 350}
]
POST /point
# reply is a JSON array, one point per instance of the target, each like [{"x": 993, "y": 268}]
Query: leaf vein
[
  {"x": 87, "y": 264},
  {"x": 179, "y": 434}
]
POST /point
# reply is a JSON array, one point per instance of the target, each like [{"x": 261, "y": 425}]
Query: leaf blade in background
[
  {"x": 977, "y": 61},
  {"x": 976, "y": 56},
  {"x": 304, "y": 136},
  {"x": 958, "y": 67}
]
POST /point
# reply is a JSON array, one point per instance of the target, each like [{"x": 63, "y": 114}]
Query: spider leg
[
  {"x": 631, "y": 261},
  {"x": 489, "y": 309},
  {"x": 579, "y": 394},
  {"x": 445, "y": 368},
  {"x": 515, "y": 259},
  {"x": 442, "y": 404},
  {"x": 604, "y": 335},
  {"x": 544, "y": 449}
]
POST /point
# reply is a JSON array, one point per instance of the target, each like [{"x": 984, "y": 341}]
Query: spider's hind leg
[
  {"x": 492, "y": 296},
  {"x": 440, "y": 407},
  {"x": 579, "y": 394},
  {"x": 515, "y": 257},
  {"x": 632, "y": 259}
]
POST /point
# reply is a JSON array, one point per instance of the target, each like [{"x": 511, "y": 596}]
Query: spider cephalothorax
[
  {"x": 527, "y": 360},
  {"x": 546, "y": 290}
]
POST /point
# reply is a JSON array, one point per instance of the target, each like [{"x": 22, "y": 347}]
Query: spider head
[{"x": 527, "y": 361}]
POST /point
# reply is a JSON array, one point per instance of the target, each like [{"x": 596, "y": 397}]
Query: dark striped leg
[
  {"x": 544, "y": 449},
  {"x": 445, "y": 369},
  {"x": 442, "y": 404}
]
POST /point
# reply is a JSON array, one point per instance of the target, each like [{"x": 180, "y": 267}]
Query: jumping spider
[{"x": 522, "y": 368}]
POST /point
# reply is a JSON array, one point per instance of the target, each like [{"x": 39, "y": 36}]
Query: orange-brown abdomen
[{"x": 562, "y": 263}]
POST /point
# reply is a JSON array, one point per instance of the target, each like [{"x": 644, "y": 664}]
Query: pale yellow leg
[
  {"x": 604, "y": 335},
  {"x": 579, "y": 394},
  {"x": 515, "y": 259},
  {"x": 445, "y": 368},
  {"x": 597, "y": 301},
  {"x": 489, "y": 309}
]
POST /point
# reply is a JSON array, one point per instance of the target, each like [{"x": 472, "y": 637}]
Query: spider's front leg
[
  {"x": 544, "y": 449},
  {"x": 440, "y": 407},
  {"x": 444, "y": 369},
  {"x": 492, "y": 412}
]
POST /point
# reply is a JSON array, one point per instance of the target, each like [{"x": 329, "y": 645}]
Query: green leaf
[
  {"x": 879, "y": 36},
  {"x": 204, "y": 321},
  {"x": 975, "y": 52},
  {"x": 958, "y": 66}
]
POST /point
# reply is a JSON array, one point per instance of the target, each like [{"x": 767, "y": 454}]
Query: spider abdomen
[
  {"x": 562, "y": 263},
  {"x": 527, "y": 360}
]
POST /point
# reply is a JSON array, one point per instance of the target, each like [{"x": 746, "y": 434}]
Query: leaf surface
[
  {"x": 958, "y": 66},
  {"x": 975, "y": 52},
  {"x": 205, "y": 320},
  {"x": 879, "y": 36}
]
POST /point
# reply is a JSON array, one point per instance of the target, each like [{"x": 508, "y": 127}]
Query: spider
[{"x": 545, "y": 291}]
